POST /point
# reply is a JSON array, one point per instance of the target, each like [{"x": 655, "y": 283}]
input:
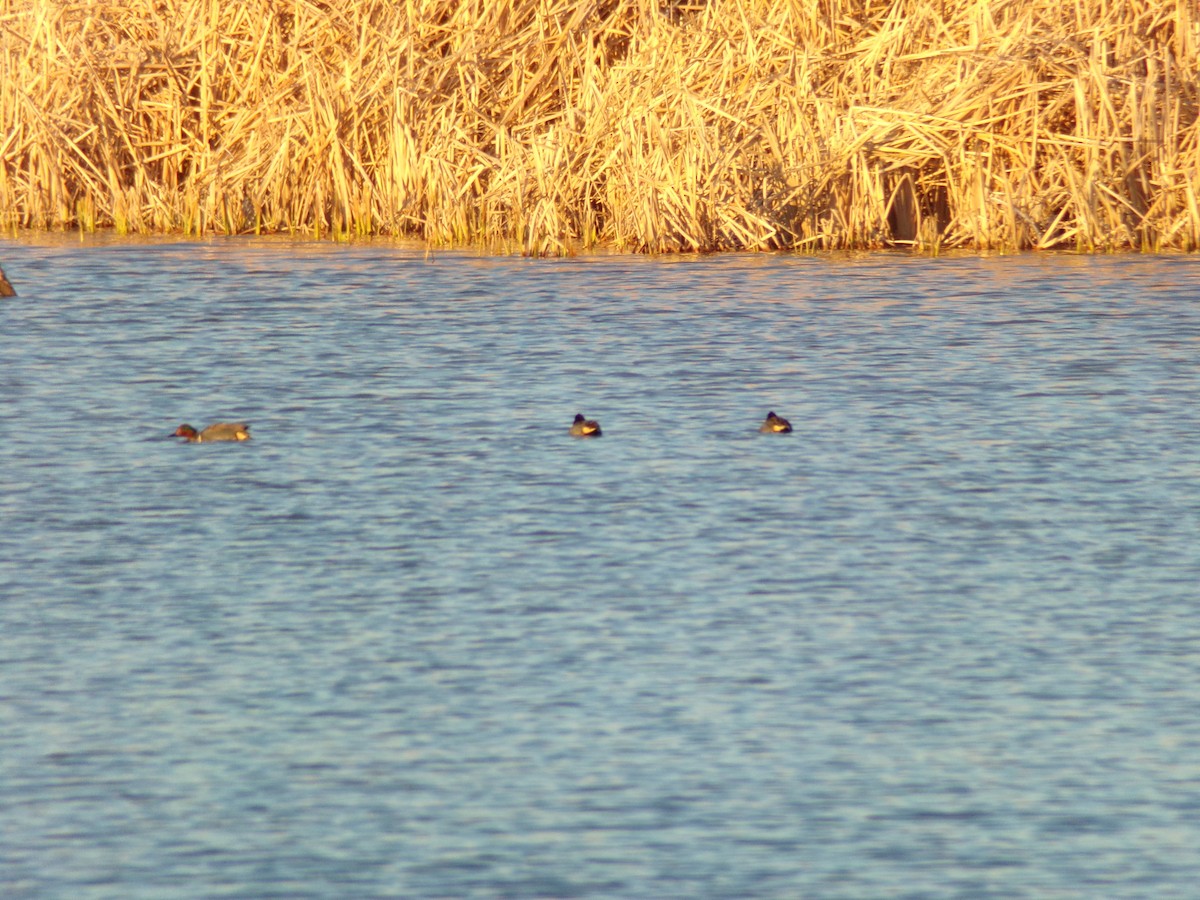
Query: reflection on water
[{"x": 415, "y": 641}]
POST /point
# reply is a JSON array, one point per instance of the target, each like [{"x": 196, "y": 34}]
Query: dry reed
[{"x": 546, "y": 126}]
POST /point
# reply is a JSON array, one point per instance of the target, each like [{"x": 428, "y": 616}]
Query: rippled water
[{"x": 415, "y": 641}]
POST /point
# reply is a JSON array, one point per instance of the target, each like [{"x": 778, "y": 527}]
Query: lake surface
[{"x": 414, "y": 641}]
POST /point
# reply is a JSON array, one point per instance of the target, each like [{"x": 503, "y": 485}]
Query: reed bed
[{"x": 549, "y": 126}]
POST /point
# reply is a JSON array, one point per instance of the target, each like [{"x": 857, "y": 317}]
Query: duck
[
  {"x": 6, "y": 289},
  {"x": 221, "y": 431},
  {"x": 775, "y": 424},
  {"x": 582, "y": 427}
]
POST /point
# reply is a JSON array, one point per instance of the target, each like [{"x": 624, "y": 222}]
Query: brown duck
[
  {"x": 775, "y": 424},
  {"x": 222, "y": 431},
  {"x": 582, "y": 427}
]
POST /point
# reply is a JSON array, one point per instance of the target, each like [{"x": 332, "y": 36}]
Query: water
[{"x": 414, "y": 641}]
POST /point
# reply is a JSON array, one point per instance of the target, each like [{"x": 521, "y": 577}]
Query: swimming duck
[
  {"x": 222, "y": 431},
  {"x": 582, "y": 427},
  {"x": 775, "y": 424},
  {"x": 6, "y": 289}
]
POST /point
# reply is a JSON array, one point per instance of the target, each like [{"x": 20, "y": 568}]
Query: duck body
[
  {"x": 6, "y": 289},
  {"x": 775, "y": 424},
  {"x": 221, "y": 431},
  {"x": 582, "y": 427}
]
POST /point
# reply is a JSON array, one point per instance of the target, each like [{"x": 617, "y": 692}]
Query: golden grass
[{"x": 546, "y": 126}]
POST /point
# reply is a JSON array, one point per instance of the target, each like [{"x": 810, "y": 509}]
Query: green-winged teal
[
  {"x": 582, "y": 427},
  {"x": 775, "y": 424},
  {"x": 222, "y": 431}
]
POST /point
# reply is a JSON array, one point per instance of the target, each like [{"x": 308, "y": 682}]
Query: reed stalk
[{"x": 551, "y": 126}]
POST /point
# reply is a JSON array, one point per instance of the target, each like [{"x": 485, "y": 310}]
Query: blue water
[{"x": 414, "y": 641}]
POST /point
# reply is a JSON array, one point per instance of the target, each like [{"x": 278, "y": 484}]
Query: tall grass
[{"x": 649, "y": 125}]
